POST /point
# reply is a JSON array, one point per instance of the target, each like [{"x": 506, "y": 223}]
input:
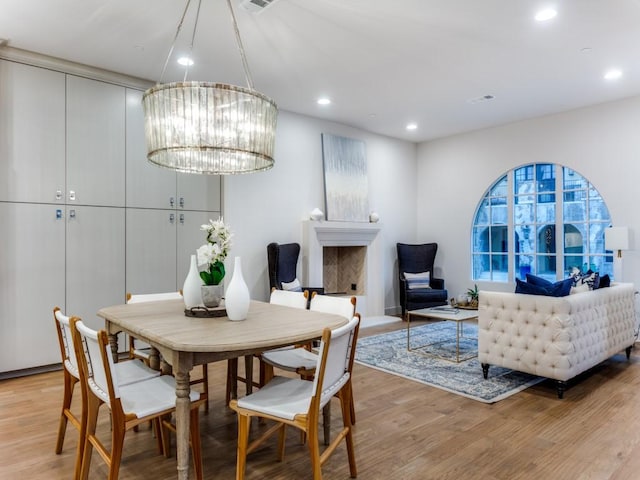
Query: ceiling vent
[{"x": 256, "y": 6}]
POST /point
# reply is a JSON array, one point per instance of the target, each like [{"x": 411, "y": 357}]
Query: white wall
[
  {"x": 601, "y": 143},
  {"x": 270, "y": 206}
]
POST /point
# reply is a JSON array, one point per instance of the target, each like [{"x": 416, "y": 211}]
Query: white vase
[
  {"x": 237, "y": 299},
  {"x": 191, "y": 288}
]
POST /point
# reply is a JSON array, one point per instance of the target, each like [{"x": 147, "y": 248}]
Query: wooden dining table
[{"x": 184, "y": 342}]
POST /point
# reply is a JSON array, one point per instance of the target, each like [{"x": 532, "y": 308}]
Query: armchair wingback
[
  {"x": 415, "y": 259},
  {"x": 283, "y": 261}
]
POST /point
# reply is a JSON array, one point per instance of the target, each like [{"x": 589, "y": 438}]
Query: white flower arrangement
[{"x": 212, "y": 254}]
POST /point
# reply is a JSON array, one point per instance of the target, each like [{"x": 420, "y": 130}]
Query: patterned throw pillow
[
  {"x": 293, "y": 286},
  {"x": 591, "y": 278},
  {"x": 417, "y": 280}
]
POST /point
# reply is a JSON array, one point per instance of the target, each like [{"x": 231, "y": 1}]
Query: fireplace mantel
[{"x": 317, "y": 235}]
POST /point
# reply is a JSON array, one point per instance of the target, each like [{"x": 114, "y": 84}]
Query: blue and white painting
[{"x": 346, "y": 186}]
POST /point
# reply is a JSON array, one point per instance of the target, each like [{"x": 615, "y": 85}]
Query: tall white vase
[
  {"x": 191, "y": 288},
  {"x": 237, "y": 298}
]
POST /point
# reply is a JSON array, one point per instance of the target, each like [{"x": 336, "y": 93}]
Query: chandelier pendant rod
[
  {"x": 245, "y": 64},
  {"x": 193, "y": 36},
  {"x": 175, "y": 39}
]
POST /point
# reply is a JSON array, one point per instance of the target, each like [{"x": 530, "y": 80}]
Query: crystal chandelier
[{"x": 206, "y": 127}]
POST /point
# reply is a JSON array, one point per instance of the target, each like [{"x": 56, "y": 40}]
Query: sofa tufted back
[{"x": 553, "y": 337}]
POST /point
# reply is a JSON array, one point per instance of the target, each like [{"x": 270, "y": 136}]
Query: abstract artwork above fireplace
[{"x": 346, "y": 185}]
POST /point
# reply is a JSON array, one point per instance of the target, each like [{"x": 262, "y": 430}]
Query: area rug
[{"x": 388, "y": 352}]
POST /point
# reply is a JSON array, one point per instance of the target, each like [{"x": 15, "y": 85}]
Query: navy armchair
[
  {"x": 282, "y": 262},
  {"x": 415, "y": 290}
]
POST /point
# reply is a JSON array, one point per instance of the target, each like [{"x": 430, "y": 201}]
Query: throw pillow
[
  {"x": 293, "y": 286},
  {"x": 541, "y": 282},
  {"x": 605, "y": 281},
  {"x": 591, "y": 278},
  {"x": 417, "y": 280},
  {"x": 583, "y": 287},
  {"x": 558, "y": 289}
]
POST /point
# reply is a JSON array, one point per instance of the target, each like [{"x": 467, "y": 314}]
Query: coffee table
[{"x": 442, "y": 313}]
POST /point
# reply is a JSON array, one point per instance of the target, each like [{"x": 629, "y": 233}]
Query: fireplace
[{"x": 346, "y": 259}]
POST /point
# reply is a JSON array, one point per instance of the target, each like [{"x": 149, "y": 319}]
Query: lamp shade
[
  {"x": 616, "y": 238},
  {"x": 211, "y": 128}
]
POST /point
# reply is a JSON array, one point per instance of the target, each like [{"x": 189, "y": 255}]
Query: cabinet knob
[
  {"x": 182, "y": 218},
  {"x": 59, "y": 213},
  {"x": 181, "y": 202},
  {"x": 72, "y": 213},
  {"x": 172, "y": 201},
  {"x": 58, "y": 194},
  {"x": 172, "y": 218},
  {"x": 72, "y": 194}
]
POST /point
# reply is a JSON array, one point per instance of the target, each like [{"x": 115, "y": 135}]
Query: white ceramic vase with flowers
[{"x": 211, "y": 258}]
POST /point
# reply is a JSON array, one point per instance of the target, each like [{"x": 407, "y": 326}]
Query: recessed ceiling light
[
  {"x": 412, "y": 126},
  {"x": 546, "y": 14},
  {"x": 185, "y": 61},
  {"x": 613, "y": 74},
  {"x": 324, "y": 101}
]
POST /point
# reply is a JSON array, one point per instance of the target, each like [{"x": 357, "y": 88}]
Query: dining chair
[
  {"x": 128, "y": 372},
  {"x": 302, "y": 360},
  {"x": 141, "y": 350},
  {"x": 130, "y": 405},
  {"x": 297, "y": 402},
  {"x": 278, "y": 297}
]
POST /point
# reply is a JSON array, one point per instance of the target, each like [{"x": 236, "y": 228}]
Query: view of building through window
[{"x": 543, "y": 219}]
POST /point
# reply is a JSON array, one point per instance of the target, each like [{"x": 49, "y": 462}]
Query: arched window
[{"x": 544, "y": 219}]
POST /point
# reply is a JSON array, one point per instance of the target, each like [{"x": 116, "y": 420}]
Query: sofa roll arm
[{"x": 437, "y": 283}]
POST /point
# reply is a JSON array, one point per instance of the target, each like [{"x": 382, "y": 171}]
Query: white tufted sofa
[{"x": 552, "y": 337}]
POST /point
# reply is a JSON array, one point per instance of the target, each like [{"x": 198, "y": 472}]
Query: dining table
[{"x": 186, "y": 341}]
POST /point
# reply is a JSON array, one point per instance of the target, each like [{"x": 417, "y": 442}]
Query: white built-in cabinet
[{"x": 85, "y": 217}]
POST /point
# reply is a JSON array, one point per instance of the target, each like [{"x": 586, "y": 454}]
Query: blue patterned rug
[{"x": 388, "y": 352}]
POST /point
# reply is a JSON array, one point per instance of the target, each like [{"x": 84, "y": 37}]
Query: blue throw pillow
[
  {"x": 530, "y": 288},
  {"x": 539, "y": 281},
  {"x": 605, "y": 281},
  {"x": 558, "y": 289}
]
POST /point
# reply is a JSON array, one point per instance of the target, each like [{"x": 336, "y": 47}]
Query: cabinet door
[
  {"x": 148, "y": 186},
  {"x": 199, "y": 192},
  {"x": 190, "y": 238},
  {"x": 95, "y": 261},
  {"x": 151, "y": 251},
  {"x": 32, "y": 134},
  {"x": 31, "y": 284},
  {"x": 95, "y": 143}
]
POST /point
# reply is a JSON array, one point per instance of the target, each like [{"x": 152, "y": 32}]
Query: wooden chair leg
[
  {"x": 326, "y": 423},
  {"x": 248, "y": 374},
  {"x": 69, "y": 383},
  {"x": 282, "y": 441},
  {"x": 205, "y": 382},
  {"x": 314, "y": 450},
  {"x": 346, "y": 403},
  {"x": 93, "y": 405},
  {"x": 117, "y": 445},
  {"x": 243, "y": 440},
  {"x": 232, "y": 380}
]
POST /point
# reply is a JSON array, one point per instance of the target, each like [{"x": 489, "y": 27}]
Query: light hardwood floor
[{"x": 404, "y": 430}]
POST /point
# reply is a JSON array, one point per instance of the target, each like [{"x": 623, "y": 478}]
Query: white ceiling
[{"x": 384, "y": 63}]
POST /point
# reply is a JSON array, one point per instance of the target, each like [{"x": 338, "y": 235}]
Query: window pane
[
  {"x": 500, "y": 188},
  {"x": 571, "y": 262},
  {"x": 523, "y": 179},
  {"x": 597, "y": 209},
  {"x": 573, "y": 180},
  {"x": 499, "y": 214},
  {"x": 574, "y": 211},
  {"x": 499, "y": 239},
  {"x": 525, "y": 239},
  {"x": 482, "y": 217},
  {"x": 546, "y": 213},
  {"x": 481, "y": 239},
  {"x": 523, "y": 213},
  {"x": 547, "y": 239},
  {"x": 546, "y": 267},
  {"x": 523, "y": 266},
  {"x": 546, "y": 177},
  {"x": 499, "y": 268},
  {"x": 481, "y": 267}
]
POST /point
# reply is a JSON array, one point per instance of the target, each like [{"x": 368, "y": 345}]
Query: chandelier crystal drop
[{"x": 210, "y": 128}]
